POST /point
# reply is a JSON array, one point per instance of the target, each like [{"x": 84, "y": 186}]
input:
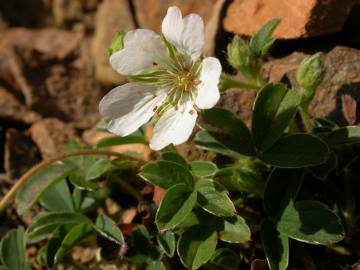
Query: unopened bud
[
  {"x": 238, "y": 53},
  {"x": 240, "y": 57},
  {"x": 310, "y": 74},
  {"x": 117, "y": 43}
]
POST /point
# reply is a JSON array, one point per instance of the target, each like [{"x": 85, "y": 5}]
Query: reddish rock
[
  {"x": 50, "y": 42},
  {"x": 112, "y": 16},
  {"x": 11, "y": 72},
  {"x": 59, "y": 80},
  {"x": 240, "y": 102},
  {"x": 342, "y": 77},
  {"x": 349, "y": 106},
  {"x": 51, "y": 135},
  {"x": 12, "y": 110},
  {"x": 275, "y": 69},
  {"x": 301, "y": 18},
  {"x": 68, "y": 91}
]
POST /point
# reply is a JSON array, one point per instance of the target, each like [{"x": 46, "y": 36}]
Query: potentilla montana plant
[
  {"x": 170, "y": 80},
  {"x": 284, "y": 177}
]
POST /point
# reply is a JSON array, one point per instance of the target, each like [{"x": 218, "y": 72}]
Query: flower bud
[
  {"x": 241, "y": 58},
  {"x": 238, "y": 53},
  {"x": 310, "y": 74},
  {"x": 117, "y": 43}
]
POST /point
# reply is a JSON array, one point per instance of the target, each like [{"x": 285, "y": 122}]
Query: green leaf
[
  {"x": 261, "y": 42},
  {"x": 116, "y": 140},
  {"x": 39, "y": 183},
  {"x": 323, "y": 170},
  {"x": 324, "y": 125},
  {"x": 41, "y": 255},
  {"x": 235, "y": 135},
  {"x": 276, "y": 246},
  {"x": 213, "y": 197},
  {"x": 275, "y": 106},
  {"x": 140, "y": 249},
  {"x": 346, "y": 154},
  {"x": 344, "y": 135},
  {"x": 55, "y": 243},
  {"x": 58, "y": 198},
  {"x": 203, "y": 168},
  {"x": 99, "y": 168},
  {"x": 157, "y": 265},
  {"x": 73, "y": 146},
  {"x": 296, "y": 151},
  {"x": 166, "y": 241},
  {"x": 205, "y": 140},
  {"x": 196, "y": 246},
  {"x": 241, "y": 179},
  {"x": 46, "y": 223},
  {"x": 235, "y": 230},
  {"x": 87, "y": 200},
  {"x": 226, "y": 259},
  {"x": 12, "y": 250},
  {"x": 176, "y": 204},
  {"x": 108, "y": 228},
  {"x": 78, "y": 179},
  {"x": 311, "y": 222},
  {"x": 73, "y": 237},
  {"x": 282, "y": 186},
  {"x": 197, "y": 216},
  {"x": 174, "y": 157},
  {"x": 86, "y": 168},
  {"x": 166, "y": 174}
]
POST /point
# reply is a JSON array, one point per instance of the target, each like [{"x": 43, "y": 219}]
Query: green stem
[
  {"x": 226, "y": 82},
  {"x": 306, "y": 119},
  {"x": 25, "y": 177},
  {"x": 259, "y": 80}
]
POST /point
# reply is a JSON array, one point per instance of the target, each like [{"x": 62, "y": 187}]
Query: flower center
[
  {"x": 182, "y": 80},
  {"x": 185, "y": 81}
]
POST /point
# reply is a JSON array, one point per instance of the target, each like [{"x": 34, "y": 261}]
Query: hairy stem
[
  {"x": 226, "y": 82},
  {"x": 306, "y": 120},
  {"x": 25, "y": 177}
]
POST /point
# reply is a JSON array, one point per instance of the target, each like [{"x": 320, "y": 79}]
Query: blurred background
[{"x": 54, "y": 67}]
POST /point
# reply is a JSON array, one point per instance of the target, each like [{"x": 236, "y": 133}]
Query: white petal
[
  {"x": 172, "y": 25},
  {"x": 208, "y": 92},
  {"x": 143, "y": 50},
  {"x": 175, "y": 126},
  {"x": 187, "y": 34},
  {"x": 193, "y": 35},
  {"x": 130, "y": 106}
]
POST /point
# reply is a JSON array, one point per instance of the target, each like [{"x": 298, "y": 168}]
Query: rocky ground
[{"x": 54, "y": 68}]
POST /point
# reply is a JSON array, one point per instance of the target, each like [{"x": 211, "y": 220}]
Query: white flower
[{"x": 171, "y": 80}]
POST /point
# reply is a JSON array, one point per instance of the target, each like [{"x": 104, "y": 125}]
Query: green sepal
[{"x": 117, "y": 43}]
